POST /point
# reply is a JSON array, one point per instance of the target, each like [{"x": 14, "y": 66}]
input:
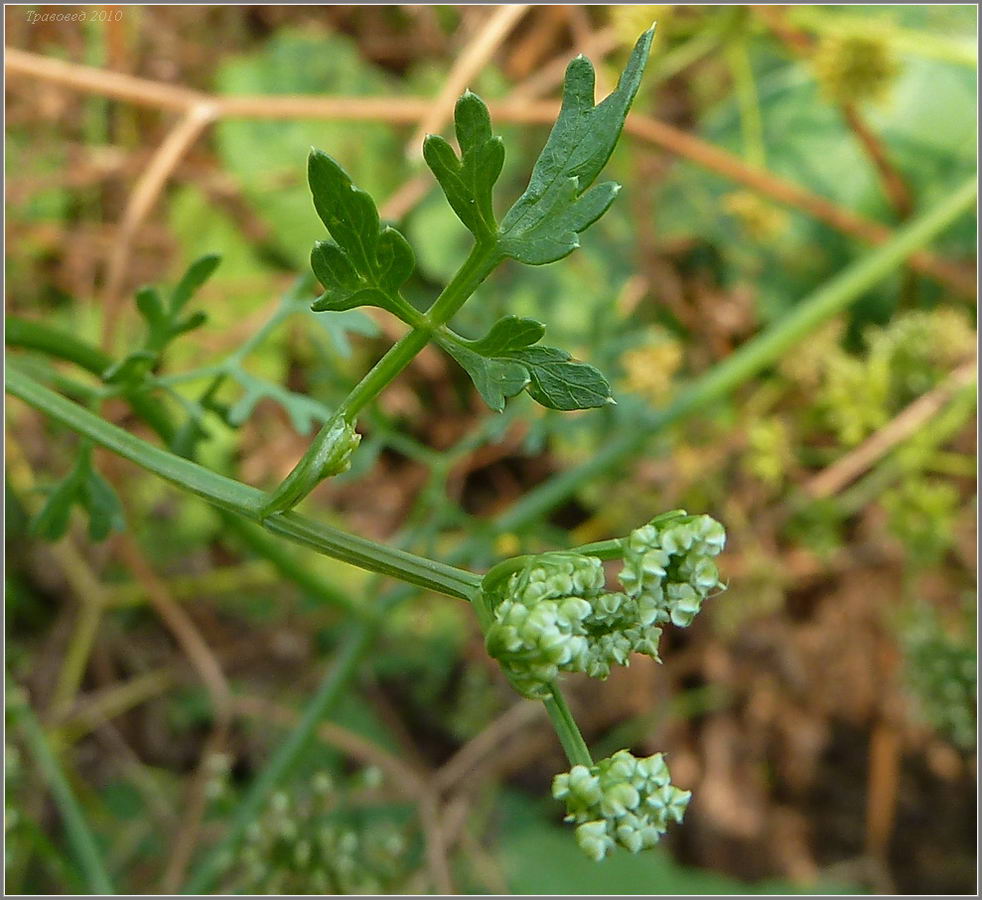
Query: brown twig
[
  {"x": 140, "y": 203},
  {"x": 471, "y": 59},
  {"x": 141, "y": 91},
  {"x": 586, "y": 41},
  {"x": 914, "y": 416},
  {"x": 179, "y": 623},
  {"x": 527, "y": 50},
  {"x": 408, "y": 110},
  {"x": 405, "y": 197},
  {"x": 195, "y": 805},
  {"x": 891, "y": 181},
  {"x": 882, "y": 785},
  {"x": 551, "y": 74},
  {"x": 493, "y": 736},
  {"x": 94, "y": 710},
  {"x": 955, "y": 277}
]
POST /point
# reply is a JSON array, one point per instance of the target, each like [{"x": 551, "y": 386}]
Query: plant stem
[
  {"x": 758, "y": 353},
  {"x": 480, "y": 263},
  {"x": 399, "y": 355},
  {"x": 287, "y": 564},
  {"x": 63, "y": 345},
  {"x": 246, "y": 501},
  {"x": 569, "y": 735},
  {"x": 76, "y": 827},
  {"x": 304, "y": 476},
  {"x": 748, "y": 101}
]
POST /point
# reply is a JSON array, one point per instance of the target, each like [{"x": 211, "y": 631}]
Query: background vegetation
[{"x": 822, "y": 710}]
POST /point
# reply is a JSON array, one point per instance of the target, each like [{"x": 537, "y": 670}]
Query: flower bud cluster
[
  {"x": 669, "y": 568},
  {"x": 622, "y": 800},
  {"x": 303, "y": 842},
  {"x": 855, "y": 69},
  {"x": 556, "y": 616}
]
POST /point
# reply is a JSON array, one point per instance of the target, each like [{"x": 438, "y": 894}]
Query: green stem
[
  {"x": 480, "y": 263},
  {"x": 287, "y": 564},
  {"x": 76, "y": 827},
  {"x": 399, "y": 355},
  {"x": 318, "y": 708},
  {"x": 306, "y": 474},
  {"x": 246, "y": 501},
  {"x": 610, "y": 549},
  {"x": 755, "y": 355},
  {"x": 567, "y": 731},
  {"x": 62, "y": 345},
  {"x": 751, "y": 123}
]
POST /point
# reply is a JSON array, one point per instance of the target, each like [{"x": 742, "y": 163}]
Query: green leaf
[
  {"x": 467, "y": 181},
  {"x": 559, "y": 383},
  {"x": 303, "y": 411},
  {"x": 338, "y": 327},
  {"x": 52, "y": 520},
  {"x": 87, "y": 488},
  {"x": 103, "y": 506},
  {"x": 163, "y": 322},
  {"x": 505, "y": 361},
  {"x": 495, "y": 379},
  {"x": 509, "y": 333},
  {"x": 195, "y": 320},
  {"x": 365, "y": 263},
  {"x": 131, "y": 368},
  {"x": 197, "y": 274},
  {"x": 545, "y": 222},
  {"x": 151, "y": 307}
]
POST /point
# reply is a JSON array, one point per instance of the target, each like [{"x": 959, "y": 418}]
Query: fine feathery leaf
[
  {"x": 504, "y": 362},
  {"x": 103, "y": 506},
  {"x": 365, "y": 263},
  {"x": 52, "y": 520},
  {"x": 467, "y": 181},
  {"x": 559, "y": 203},
  {"x": 85, "y": 487},
  {"x": 197, "y": 274},
  {"x": 302, "y": 410},
  {"x": 163, "y": 321}
]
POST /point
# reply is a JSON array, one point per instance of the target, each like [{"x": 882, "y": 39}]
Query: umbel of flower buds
[
  {"x": 554, "y": 615},
  {"x": 622, "y": 801}
]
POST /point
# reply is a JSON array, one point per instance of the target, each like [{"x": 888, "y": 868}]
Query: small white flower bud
[{"x": 594, "y": 840}]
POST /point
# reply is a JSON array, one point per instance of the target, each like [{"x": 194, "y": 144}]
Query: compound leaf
[
  {"x": 505, "y": 361},
  {"x": 495, "y": 379},
  {"x": 87, "y": 488},
  {"x": 467, "y": 181},
  {"x": 560, "y": 383},
  {"x": 364, "y": 263},
  {"x": 545, "y": 222},
  {"x": 302, "y": 410},
  {"x": 163, "y": 321}
]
